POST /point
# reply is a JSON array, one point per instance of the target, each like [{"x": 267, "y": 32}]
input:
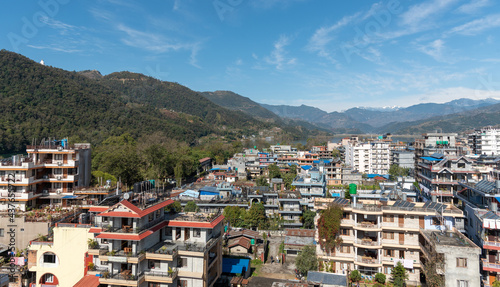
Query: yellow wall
[{"x": 70, "y": 246}]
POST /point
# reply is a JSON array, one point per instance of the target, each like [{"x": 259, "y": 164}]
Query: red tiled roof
[
  {"x": 300, "y": 232},
  {"x": 136, "y": 212},
  {"x": 88, "y": 281},
  {"x": 242, "y": 241},
  {"x": 204, "y": 159},
  {"x": 95, "y": 230},
  {"x": 245, "y": 232},
  {"x": 133, "y": 237},
  {"x": 98, "y": 208}
]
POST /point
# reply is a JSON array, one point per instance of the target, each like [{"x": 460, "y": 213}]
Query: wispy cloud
[
  {"x": 434, "y": 49},
  {"x": 57, "y": 48},
  {"x": 473, "y": 6},
  {"x": 278, "y": 57},
  {"x": 474, "y": 27},
  {"x": 419, "y": 13}
]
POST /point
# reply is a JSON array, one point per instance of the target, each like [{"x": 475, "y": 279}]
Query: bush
[
  {"x": 380, "y": 278},
  {"x": 378, "y": 285}
]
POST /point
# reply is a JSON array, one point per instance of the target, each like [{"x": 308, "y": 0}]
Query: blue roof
[
  {"x": 217, "y": 168},
  {"x": 235, "y": 265},
  {"x": 372, "y": 175},
  {"x": 69, "y": 197},
  {"x": 190, "y": 193},
  {"x": 306, "y": 167},
  {"x": 431, "y": 158},
  {"x": 209, "y": 189},
  {"x": 322, "y": 160},
  {"x": 203, "y": 192}
]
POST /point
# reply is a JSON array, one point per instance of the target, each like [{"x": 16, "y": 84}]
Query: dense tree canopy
[
  {"x": 307, "y": 260},
  {"x": 329, "y": 227}
]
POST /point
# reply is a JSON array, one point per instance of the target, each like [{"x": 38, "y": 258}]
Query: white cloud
[
  {"x": 57, "y": 48},
  {"x": 473, "y": 6},
  {"x": 474, "y": 27},
  {"x": 278, "y": 57},
  {"x": 434, "y": 49},
  {"x": 422, "y": 12}
]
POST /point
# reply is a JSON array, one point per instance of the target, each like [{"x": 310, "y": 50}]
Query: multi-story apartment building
[
  {"x": 150, "y": 247},
  {"x": 403, "y": 158},
  {"x": 372, "y": 157},
  {"x": 455, "y": 257},
  {"x": 485, "y": 141},
  {"x": 310, "y": 185},
  {"x": 290, "y": 210},
  {"x": 46, "y": 175},
  {"x": 376, "y": 234},
  {"x": 439, "y": 176},
  {"x": 482, "y": 223},
  {"x": 332, "y": 171}
]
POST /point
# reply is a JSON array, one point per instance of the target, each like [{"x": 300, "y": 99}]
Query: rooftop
[{"x": 448, "y": 238}]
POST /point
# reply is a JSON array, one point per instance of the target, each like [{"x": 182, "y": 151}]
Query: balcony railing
[
  {"x": 125, "y": 275},
  {"x": 171, "y": 274},
  {"x": 490, "y": 265},
  {"x": 367, "y": 242}
]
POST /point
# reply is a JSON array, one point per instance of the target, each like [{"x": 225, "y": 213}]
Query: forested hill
[{"x": 40, "y": 101}]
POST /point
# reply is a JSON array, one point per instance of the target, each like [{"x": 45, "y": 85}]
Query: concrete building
[
  {"x": 62, "y": 261},
  {"x": 456, "y": 257},
  {"x": 147, "y": 246},
  {"x": 438, "y": 176},
  {"x": 485, "y": 141},
  {"x": 310, "y": 185},
  {"x": 369, "y": 157},
  {"x": 403, "y": 158},
  {"x": 376, "y": 234},
  {"x": 49, "y": 172}
]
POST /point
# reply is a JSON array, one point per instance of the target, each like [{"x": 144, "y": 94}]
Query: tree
[
  {"x": 329, "y": 227},
  {"x": 174, "y": 207},
  {"x": 256, "y": 216},
  {"x": 191, "y": 207},
  {"x": 496, "y": 284},
  {"x": 307, "y": 260},
  {"x": 399, "y": 275},
  {"x": 395, "y": 171},
  {"x": 274, "y": 171},
  {"x": 380, "y": 278},
  {"x": 235, "y": 215},
  {"x": 261, "y": 181},
  {"x": 308, "y": 218},
  {"x": 355, "y": 276}
]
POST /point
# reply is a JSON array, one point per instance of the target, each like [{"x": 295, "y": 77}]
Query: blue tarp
[
  {"x": 322, "y": 160},
  {"x": 431, "y": 158},
  {"x": 217, "y": 168},
  {"x": 235, "y": 265},
  {"x": 190, "y": 193},
  {"x": 209, "y": 189},
  {"x": 69, "y": 197},
  {"x": 306, "y": 167}
]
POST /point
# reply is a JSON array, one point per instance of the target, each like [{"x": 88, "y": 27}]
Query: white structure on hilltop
[{"x": 42, "y": 62}]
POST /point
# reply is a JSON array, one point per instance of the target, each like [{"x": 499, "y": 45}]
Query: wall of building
[
  {"x": 70, "y": 246},
  {"x": 25, "y": 231}
]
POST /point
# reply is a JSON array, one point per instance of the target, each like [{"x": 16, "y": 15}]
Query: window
[
  {"x": 183, "y": 262},
  {"x": 49, "y": 258},
  {"x": 345, "y": 232},
  {"x": 461, "y": 262},
  {"x": 345, "y": 215},
  {"x": 154, "y": 264},
  {"x": 2, "y": 232},
  {"x": 345, "y": 249},
  {"x": 462, "y": 283},
  {"x": 401, "y": 254},
  {"x": 387, "y": 270},
  {"x": 434, "y": 221},
  {"x": 461, "y": 165},
  {"x": 168, "y": 231},
  {"x": 182, "y": 283},
  {"x": 105, "y": 219},
  {"x": 57, "y": 185},
  {"x": 196, "y": 232},
  {"x": 388, "y": 235},
  {"x": 389, "y": 252},
  {"x": 49, "y": 278},
  {"x": 389, "y": 218}
]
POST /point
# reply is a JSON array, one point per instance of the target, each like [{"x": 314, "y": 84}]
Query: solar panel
[{"x": 427, "y": 204}]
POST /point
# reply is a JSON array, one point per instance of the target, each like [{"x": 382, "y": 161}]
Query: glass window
[
  {"x": 49, "y": 258},
  {"x": 461, "y": 262},
  {"x": 196, "y": 232}
]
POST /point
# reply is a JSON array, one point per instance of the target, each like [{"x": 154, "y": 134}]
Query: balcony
[
  {"x": 123, "y": 256},
  {"x": 367, "y": 243},
  {"x": 492, "y": 243},
  {"x": 106, "y": 227},
  {"x": 98, "y": 251},
  {"x": 160, "y": 277},
  {"x": 490, "y": 266},
  {"x": 123, "y": 278},
  {"x": 366, "y": 260},
  {"x": 367, "y": 225},
  {"x": 163, "y": 251}
]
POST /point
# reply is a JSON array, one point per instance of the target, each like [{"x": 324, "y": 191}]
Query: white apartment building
[
  {"x": 372, "y": 157},
  {"x": 485, "y": 141}
]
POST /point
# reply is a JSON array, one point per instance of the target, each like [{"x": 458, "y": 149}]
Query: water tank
[{"x": 352, "y": 188}]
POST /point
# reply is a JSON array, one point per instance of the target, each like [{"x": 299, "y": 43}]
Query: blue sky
[{"x": 329, "y": 54}]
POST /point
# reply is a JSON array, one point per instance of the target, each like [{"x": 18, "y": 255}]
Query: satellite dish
[{"x": 126, "y": 196}]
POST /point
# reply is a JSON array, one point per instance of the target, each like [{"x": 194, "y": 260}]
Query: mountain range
[{"x": 454, "y": 116}]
